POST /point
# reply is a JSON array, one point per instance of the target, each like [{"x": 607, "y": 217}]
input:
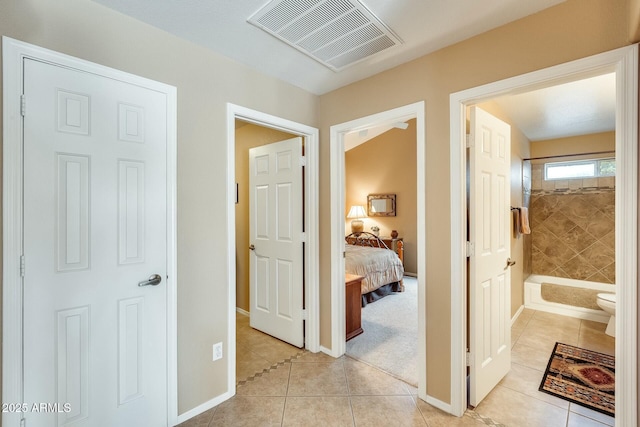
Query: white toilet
[{"x": 607, "y": 302}]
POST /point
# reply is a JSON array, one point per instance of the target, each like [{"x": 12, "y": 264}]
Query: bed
[{"x": 367, "y": 255}]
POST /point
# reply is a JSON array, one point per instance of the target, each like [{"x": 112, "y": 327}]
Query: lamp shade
[{"x": 356, "y": 211}]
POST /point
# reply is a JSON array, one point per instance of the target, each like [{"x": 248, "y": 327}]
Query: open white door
[
  {"x": 95, "y": 233},
  {"x": 489, "y": 234},
  {"x": 276, "y": 236}
]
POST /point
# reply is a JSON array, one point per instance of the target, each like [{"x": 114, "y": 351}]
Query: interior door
[
  {"x": 489, "y": 232},
  {"x": 95, "y": 337},
  {"x": 276, "y": 236}
]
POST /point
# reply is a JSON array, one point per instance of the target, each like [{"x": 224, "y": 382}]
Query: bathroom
[
  {"x": 571, "y": 247},
  {"x": 563, "y": 145}
]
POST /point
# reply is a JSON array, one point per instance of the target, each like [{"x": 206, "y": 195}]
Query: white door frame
[
  {"x": 338, "y": 132},
  {"x": 13, "y": 54},
  {"x": 311, "y": 188},
  {"x": 624, "y": 62}
]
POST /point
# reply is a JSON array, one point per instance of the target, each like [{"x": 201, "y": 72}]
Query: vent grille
[{"x": 336, "y": 33}]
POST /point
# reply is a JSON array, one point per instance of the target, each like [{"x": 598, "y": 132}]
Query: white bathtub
[{"x": 533, "y": 298}]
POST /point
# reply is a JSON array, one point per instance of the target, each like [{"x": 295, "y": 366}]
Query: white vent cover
[{"x": 337, "y": 33}]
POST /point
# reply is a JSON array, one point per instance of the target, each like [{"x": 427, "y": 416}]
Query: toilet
[{"x": 607, "y": 302}]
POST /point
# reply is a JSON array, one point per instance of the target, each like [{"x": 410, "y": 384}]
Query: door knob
[
  {"x": 153, "y": 280},
  {"x": 509, "y": 263},
  {"x": 253, "y": 248}
]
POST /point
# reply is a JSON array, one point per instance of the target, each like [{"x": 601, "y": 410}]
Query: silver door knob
[{"x": 153, "y": 280}]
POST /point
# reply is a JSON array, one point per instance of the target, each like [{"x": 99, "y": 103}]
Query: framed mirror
[{"x": 381, "y": 205}]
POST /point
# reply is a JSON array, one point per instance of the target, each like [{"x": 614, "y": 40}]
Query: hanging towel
[
  {"x": 515, "y": 220},
  {"x": 524, "y": 221}
]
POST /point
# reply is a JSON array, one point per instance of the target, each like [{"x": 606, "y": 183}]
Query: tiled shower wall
[{"x": 573, "y": 228}]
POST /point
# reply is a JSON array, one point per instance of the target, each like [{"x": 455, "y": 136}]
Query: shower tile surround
[{"x": 573, "y": 227}]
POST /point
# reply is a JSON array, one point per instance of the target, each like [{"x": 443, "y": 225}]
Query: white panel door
[
  {"x": 95, "y": 342},
  {"x": 489, "y": 232},
  {"x": 276, "y": 236}
]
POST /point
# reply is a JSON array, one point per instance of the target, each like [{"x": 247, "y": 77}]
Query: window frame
[{"x": 595, "y": 162}]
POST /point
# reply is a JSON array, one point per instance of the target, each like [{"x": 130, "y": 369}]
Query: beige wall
[
  {"x": 634, "y": 21},
  {"x": 520, "y": 149},
  {"x": 604, "y": 141},
  {"x": 571, "y": 30},
  {"x": 387, "y": 164},
  {"x": 247, "y": 136},
  {"x": 205, "y": 82}
]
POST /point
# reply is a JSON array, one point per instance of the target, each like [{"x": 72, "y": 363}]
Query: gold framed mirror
[{"x": 381, "y": 205}]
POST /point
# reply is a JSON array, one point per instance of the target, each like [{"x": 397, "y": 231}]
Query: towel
[{"x": 524, "y": 221}]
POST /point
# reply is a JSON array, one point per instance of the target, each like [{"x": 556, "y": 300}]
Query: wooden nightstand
[
  {"x": 353, "y": 305},
  {"x": 396, "y": 245}
]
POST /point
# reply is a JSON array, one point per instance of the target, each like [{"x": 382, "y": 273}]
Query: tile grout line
[{"x": 271, "y": 368}]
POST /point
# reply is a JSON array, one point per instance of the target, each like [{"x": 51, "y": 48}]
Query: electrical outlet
[{"x": 217, "y": 351}]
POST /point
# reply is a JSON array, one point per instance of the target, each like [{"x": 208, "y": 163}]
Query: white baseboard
[
  {"x": 518, "y": 313},
  {"x": 243, "y": 312},
  {"x": 411, "y": 274},
  {"x": 330, "y": 352},
  {"x": 203, "y": 408}
]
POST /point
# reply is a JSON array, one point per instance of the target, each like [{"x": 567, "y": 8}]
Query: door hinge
[
  {"x": 303, "y": 236},
  {"x": 304, "y": 314},
  {"x": 469, "y": 141},
  {"x": 470, "y": 249},
  {"x": 468, "y": 358},
  {"x": 22, "y": 267},
  {"x": 23, "y": 105},
  {"x": 303, "y": 161}
]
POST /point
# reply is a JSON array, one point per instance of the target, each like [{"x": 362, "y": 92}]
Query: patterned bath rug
[{"x": 581, "y": 376}]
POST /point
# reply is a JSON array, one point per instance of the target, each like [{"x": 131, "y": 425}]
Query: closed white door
[
  {"x": 276, "y": 240},
  {"x": 95, "y": 342},
  {"x": 489, "y": 232}
]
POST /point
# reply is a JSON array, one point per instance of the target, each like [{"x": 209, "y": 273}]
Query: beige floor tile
[
  {"x": 382, "y": 411},
  {"x": 273, "y": 383},
  {"x": 576, "y": 420},
  {"x": 517, "y": 409},
  {"x": 547, "y": 334},
  {"x": 363, "y": 379},
  {"x": 250, "y": 364},
  {"x": 437, "y": 418},
  {"x": 249, "y": 411},
  {"x": 318, "y": 411},
  {"x": 527, "y": 380},
  {"x": 589, "y": 413},
  {"x": 309, "y": 357},
  {"x": 317, "y": 379},
  {"x": 593, "y": 337},
  {"x": 533, "y": 356},
  {"x": 275, "y": 350}
]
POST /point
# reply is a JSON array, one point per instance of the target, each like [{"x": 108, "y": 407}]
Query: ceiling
[
  {"x": 576, "y": 108},
  {"x": 423, "y": 26}
]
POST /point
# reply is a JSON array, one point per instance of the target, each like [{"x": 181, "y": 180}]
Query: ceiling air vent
[{"x": 336, "y": 33}]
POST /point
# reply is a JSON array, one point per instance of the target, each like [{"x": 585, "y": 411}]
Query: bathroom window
[{"x": 579, "y": 169}]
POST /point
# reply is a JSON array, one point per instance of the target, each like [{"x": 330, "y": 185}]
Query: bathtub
[{"x": 533, "y": 297}]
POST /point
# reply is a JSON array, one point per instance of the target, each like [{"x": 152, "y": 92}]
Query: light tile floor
[
  {"x": 281, "y": 385},
  {"x": 516, "y": 401}
]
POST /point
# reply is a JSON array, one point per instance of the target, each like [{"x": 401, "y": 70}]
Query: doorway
[
  {"x": 624, "y": 63},
  {"x": 311, "y": 302},
  {"x": 337, "y": 149}
]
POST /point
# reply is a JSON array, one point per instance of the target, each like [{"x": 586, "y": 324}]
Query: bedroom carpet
[{"x": 390, "y": 338}]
